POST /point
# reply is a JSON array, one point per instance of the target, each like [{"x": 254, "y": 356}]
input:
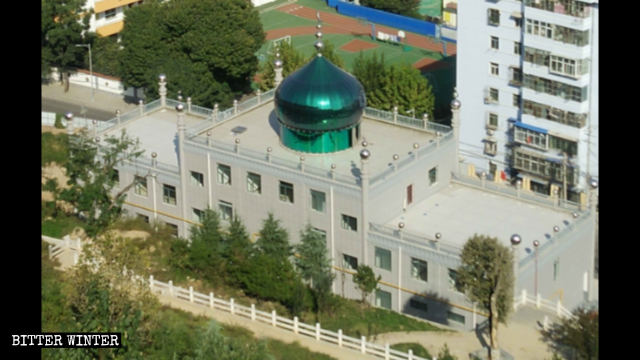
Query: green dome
[{"x": 319, "y": 97}]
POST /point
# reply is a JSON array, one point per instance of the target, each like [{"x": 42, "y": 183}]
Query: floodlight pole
[{"x": 90, "y": 67}]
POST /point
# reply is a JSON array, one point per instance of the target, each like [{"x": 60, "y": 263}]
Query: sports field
[
  {"x": 297, "y": 19},
  {"x": 430, "y": 7}
]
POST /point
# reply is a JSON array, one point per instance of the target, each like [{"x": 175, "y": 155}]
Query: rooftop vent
[{"x": 238, "y": 130}]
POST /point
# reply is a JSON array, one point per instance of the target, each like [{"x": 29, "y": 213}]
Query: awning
[
  {"x": 516, "y": 14},
  {"x": 530, "y": 127}
]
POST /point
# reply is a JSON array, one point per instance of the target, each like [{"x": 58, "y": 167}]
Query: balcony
[{"x": 567, "y": 7}]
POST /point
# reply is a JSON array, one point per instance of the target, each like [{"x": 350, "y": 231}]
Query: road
[{"x": 82, "y": 110}]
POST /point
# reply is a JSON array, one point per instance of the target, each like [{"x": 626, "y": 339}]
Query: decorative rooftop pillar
[
  {"x": 277, "y": 68},
  {"x": 365, "y": 154},
  {"x": 214, "y": 116},
  {"x": 237, "y": 142},
  {"x": 141, "y": 106},
  {"x": 269, "y": 149},
  {"x": 259, "y": 95},
  {"x": 302, "y": 163},
  {"x": 182, "y": 161},
  {"x": 416, "y": 146},
  {"x": 333, "y": 171},
  {"x": 425, "y": 120},
  {"x": 395, "y": 161},
  {"x": 188, "y": 103},
  {"x": 118, "y": 116},
  {"x": 162, "y": 89},
  {"x": 455, "y": 124},
  {"x": 395, "y": 114},
  {"x": 69, "y": 117},
  {"x": 235, "y": 106}
]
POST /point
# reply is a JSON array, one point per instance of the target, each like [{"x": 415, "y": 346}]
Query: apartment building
[
  {"x": 108, "y": 15},
  {"x": 527, "y": 74}
]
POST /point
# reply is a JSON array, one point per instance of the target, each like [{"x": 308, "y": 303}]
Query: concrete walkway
[{"x": 81, "y": 95}]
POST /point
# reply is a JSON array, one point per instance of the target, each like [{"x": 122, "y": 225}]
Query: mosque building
[{"x": 384, "y": 190}]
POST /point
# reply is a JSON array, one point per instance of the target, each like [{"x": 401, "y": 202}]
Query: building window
[
  {"x": 492, "y": 122},
  {"x": 226, "y": 210},
  {"x": 530, "y": 138},
  {"x": 349, "y": 223},
  {"x": 563, "y": 66},
  {"x": 169, "y": 194},
  {"x": 286, "y": 192},
  {"x": 495, "y": 43},
  {"x": 318, "y": 200},
  {"x": 516, "y": 100},
  {"x": 453, "y": 280},
  {"x": 495, "y": 69},
  {"x": 350, "y": 262},
  {"x": 197, "y": 215},
  {"x": 173, "y": 229},
  {"x": 494, "y": 95},
  {"x": 419, "y": 305},
  {"x": 254, "y": 183},
  {"x": 383, "y": 258},
  {"x": 516, "y": 76},
  {"x": 493, "y": 17},
  {"x": 110, "y": 13},
  {"x": 517, "y": 22},
  {"x": 517, "y": 48},
  {"x": 419, "y": 269},
  {"x": 554, "y": 114},
  {"x": 433, "y": 175},
  {"x": 409, "y": 194},
  {"x": 556, "y": 269},
  {"x": 140, "y": 187},
  {"x": 455, "y": 317},
  {"x": 224, "y": 174},
  {"x": 383, "y": 299},
  {"x": 320, "y": 232},
  {"x": 144, "y": 218},
  {"x": 568, "y": 146},
  {"x": 197, "y": 179},
  {"x": 490, "y": 147}
]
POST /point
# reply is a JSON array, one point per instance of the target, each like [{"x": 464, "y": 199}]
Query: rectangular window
[
  {"x": 318, "y": 200},
  {"x": 516, "y": 76},
  {"x": 254, "y": 183},
  {"x": 173, "y": 229},
  {"x": 419, "y": 269},
  {"x": 169, "y": 194},
  {"x": 350, "y": 262},
  {"x": 226, "y": 210},
  {"x": 516, "y": 100},
  {"x": 197, "y": 215},
  {"x": 197, "y": 179},
  {"x": 140, "y": 188},
  {"x": 564, "y": 145},
  {"x": 383, "y": 258},
  {"x": 490, "y": 147},
  {"x": 494, "y": 95},
  {"x": 144, "y": 218},
  {"x": 286, "y": 192},
  {"x": 517, "y": 48},
  {"x": 409, "y": 194},
  {"x": 493, "y": 17},
  {"x": 495, "y": 69},
  {"x": 419, "y": 305},
  {"x": 492, "y": 121},
  {"x": 455, "y": 317},
  {"x": 530, "y": 138},
  {"x": 433, "y": 175},
  {"x": 453, "y": 280},
  {"x": 556, "y": 269},
  {"x": 495, "y": 43},
  {"x": 224, "y": 174},
  {"x": 383, "y": 299},
  {"x": 349, "y": 223},
  {"x": 110, "y": 13}
]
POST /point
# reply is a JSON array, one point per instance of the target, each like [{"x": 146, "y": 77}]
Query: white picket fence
[
  {"x": 58, "y": 246},
  {"x": 273, "y": 319},
  {"x": 49, "y": 119},
  {"x": 539, "y": 302}
]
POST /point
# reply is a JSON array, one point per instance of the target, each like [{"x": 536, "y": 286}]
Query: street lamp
[
  {"x": 90, "y": 67},
  {"x": 536, "y": 243}
]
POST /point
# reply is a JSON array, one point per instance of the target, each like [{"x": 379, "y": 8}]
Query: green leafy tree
[
  {"x": 486, "y": 277},
  {"x": 62, "y": 25},
  {"x": 398, "y": 85},
  {"x": 273, "y": 239},
  {"x": 214, "y": 345},
  {"x": 51, "y": 185},
  {"x": 93, "y": 178},
  {"x": 401, "y": 7},
  {"x": 206, "y": 48},
  {"x": 207, "y": 247},
  {"x": 366, "y": 281},
  {"x": 575, "y": 337},
  {"x": 314, "y": 265},
  {"x": 105, "y": 55}
]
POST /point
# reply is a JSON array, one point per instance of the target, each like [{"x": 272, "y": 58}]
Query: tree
[
  {"x": 237, "y": 250},
  {"x": 314, "y": 265},
  {"x": 207, "y": 247},
  {"x": 366, "y": 281},
  {"x": 93, "y": 178},
  {"x": 401, "y": 7},
  {"x": 273, "y": 240},
  {"x": 61, "y": 29},
  {"x": 206, "y": 48},
  {"x": 292, "y": 60},
  {"x": 486, "y": 277},
  {"x": 576, "y": 337},
  {"x": 105, "y": 55},
  {"x": 398, "y": 85}
]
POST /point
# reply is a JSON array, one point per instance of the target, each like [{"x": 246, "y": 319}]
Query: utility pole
[
  {"x": 564, "y": 177},
  {"x": 90, "y": 68}
]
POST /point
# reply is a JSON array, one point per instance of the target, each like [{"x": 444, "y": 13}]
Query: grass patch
[
  {"x": 59, "y": 226},
  {"x": 54, "y": 148},
  {"x": 417, "y": 349},
  {"x": 279, "y": 20},
  {"x": 293, "y": 351}
]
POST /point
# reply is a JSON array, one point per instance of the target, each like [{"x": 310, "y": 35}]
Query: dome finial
[{"x": 319, "y": 45}]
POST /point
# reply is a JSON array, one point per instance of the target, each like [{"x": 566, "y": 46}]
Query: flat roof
[
  {"x": 262, "y": 129},
  {"x": 458, "y": 212},
  {"x": 157, "y": 132}
]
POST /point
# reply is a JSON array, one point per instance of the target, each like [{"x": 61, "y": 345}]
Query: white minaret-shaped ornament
[
  {"x": 277, "y": 67},
  {"x": 162, "y": 89},
  {"x": 319, "y": 45},
  {"x": 455, "y": 125}
]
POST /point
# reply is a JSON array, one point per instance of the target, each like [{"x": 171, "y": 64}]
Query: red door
[{"x": 409, "y": 194}]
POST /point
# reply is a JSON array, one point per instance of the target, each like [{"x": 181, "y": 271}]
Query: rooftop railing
[{"x": 418, "y": 239}]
